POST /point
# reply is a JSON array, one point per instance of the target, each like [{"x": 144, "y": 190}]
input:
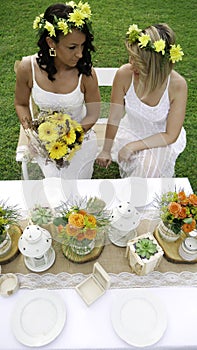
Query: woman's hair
[
  {"x": 152, "y": 66},
  {"x": 45, "y": 61}
]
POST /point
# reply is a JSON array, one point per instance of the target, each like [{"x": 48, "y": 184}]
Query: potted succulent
[
  {"x": 178, "y": 214},
  {"x": 8, "y": 215},
  {"x": 80, "y": 223},
  {"x": 144, "y": 253},
  {"x": 41, "y": 215}
]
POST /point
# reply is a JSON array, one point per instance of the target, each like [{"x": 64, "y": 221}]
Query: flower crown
[
  {"x": 135, "y": 35},
  {"x": 81, "y": 15}
]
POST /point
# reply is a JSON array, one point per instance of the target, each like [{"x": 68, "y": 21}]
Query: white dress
[
  {"x": 139, "y": 122},
  {"x": 81, "y": 165}
]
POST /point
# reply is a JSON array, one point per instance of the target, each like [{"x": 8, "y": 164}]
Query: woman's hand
[
  {"x": 124, "y": 154},
  {"x": 104, "y": 159}
]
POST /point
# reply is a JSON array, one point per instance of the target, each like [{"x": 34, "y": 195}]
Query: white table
[{"x": 90, "y": 327}]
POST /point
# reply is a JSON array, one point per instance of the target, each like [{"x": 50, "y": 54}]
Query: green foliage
[{"x": 111, "y": 20}]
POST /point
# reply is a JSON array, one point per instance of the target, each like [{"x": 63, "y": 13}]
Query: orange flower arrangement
[
  {"x": 179, "y": 211},
  {"x": 81, "y": 225}
]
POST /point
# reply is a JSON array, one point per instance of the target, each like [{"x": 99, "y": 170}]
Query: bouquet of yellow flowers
[
  {"x": 57, "y": 137},
  {"x": 179, "y": 211}
]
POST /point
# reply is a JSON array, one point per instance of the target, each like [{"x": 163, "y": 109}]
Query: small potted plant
[
  {"x": 8, "y": 215},
  {"x": 178, "y": 214},
  {"x": 41, "y": 216},
  {"x": 144, "y": 254}
]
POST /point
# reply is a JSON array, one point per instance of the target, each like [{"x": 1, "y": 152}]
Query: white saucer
[{"x": 38, "y": 318}]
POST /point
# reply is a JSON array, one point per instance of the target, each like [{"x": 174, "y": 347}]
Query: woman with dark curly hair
[{"x": 60, "y": 78}]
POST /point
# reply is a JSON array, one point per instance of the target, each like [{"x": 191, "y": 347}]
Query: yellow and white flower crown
[
  {"x": 135, "y": 35},
  {"x": 81, "y": 15}
]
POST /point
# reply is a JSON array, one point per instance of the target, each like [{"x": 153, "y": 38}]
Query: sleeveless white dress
[
  {"x": 139, "y": 122},
  {"x": 81, "y": 165}
]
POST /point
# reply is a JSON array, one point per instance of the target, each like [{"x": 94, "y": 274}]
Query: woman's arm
[
  {"x": 176, "y": 115},
  {"x": 119, "y": 88},
  {"x": 22, "y": 93},
  {"x": 92, "y": 100}
]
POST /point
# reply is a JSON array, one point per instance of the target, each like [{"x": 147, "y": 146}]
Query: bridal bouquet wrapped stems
[{"x": 56, "y": 137}]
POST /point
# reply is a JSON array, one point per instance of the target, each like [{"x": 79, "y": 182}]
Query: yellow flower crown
[
  {"x": 81, "y": 15},
  {"x": 135, "y": 35}
]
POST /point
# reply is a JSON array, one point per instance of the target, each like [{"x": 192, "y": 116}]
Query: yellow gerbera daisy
[
  {"x": 85, "y": 9},
  {"x": 176, "y": 53},
  {"x": 63, "y": 26},
  {"x": 70, "y": 137},
  {"x": 47, "y": 132},
  {"x": 58, "y": 150},
  {"x": 77, "y": 17},
  {"x": 48, "y": 26},
  {"x": 144, "y": 40},
  {"x": 160, "y": 46},
  {"x": 37, "y": 20}
]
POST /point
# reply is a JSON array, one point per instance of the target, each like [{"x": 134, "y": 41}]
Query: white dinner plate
[
  {"x": 139, "y": 318},
  {"x": 38, "y": 318},
  {"x": 137, "y": 191}
]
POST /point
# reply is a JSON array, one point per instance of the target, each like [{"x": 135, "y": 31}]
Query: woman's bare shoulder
[
  {"x": 24, "y": 66},
  {"x": 177, "y": 81}
]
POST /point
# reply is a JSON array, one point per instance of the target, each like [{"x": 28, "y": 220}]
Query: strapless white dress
[{"x": 81, "y": 165}]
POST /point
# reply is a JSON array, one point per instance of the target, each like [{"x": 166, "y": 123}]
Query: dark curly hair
[{"x": 45, "y": 61}]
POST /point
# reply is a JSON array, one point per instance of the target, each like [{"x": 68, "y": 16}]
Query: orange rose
[
  {"x": 82, "y": 212},
  {"x": 182, "y": 213},
  {"x": 80, "y": 236},
  {"x": 193, "y": 199},
  {"x": 174, "y": 209},
  {"x": 72, "y": 231},
  {"x": 189, "y": 227},
  {"x": 182, "y": 198},
  {"x": 76, "y": 220},
  {"x": 91, "y": 220},
  {"x": 90, "y": 234}
]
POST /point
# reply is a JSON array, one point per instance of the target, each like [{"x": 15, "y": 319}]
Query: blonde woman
[{"x": 145, "y": 131}]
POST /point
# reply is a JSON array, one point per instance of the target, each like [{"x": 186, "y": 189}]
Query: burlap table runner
[{"x": 112, "y": 259}]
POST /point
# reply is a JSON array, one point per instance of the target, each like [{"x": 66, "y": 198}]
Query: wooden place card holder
[{"x": 95, "y": 285}]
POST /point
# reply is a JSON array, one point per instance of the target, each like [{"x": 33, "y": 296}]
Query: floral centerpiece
[
  {"x": 81, "y": 223},
  {"x": 178, "y": 213},
  {"x": 8, "y": 216},
  {"x": 56, "y": 137}
]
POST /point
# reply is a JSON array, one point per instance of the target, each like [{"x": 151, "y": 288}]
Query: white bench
[{"x": 105, "y": 78}]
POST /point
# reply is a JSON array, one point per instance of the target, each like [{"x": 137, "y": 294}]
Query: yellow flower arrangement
[
  {"x": 77, "y": 19},
  {"x": 135, "y": 35},
  {"x": 57, "y": 137}
]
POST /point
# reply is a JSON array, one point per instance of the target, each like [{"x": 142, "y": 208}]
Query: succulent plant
[
  {"x": 145, "y": 248},
  {"x": 41, "y": 215}
]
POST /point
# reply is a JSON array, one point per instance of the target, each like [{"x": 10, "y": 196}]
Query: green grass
[{"x": 111, "y": 19}]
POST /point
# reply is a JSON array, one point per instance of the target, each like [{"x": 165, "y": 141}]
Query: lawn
[{"x": 111, "y": 19}]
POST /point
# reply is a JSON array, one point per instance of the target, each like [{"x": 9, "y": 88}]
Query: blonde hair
[{"x": 153, "y": 68}]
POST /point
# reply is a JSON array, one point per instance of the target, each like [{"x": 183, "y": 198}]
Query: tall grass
[{"x": 111, "y": 19}]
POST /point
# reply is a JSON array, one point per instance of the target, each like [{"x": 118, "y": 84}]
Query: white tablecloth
[{"x": 91, "y": 327}]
